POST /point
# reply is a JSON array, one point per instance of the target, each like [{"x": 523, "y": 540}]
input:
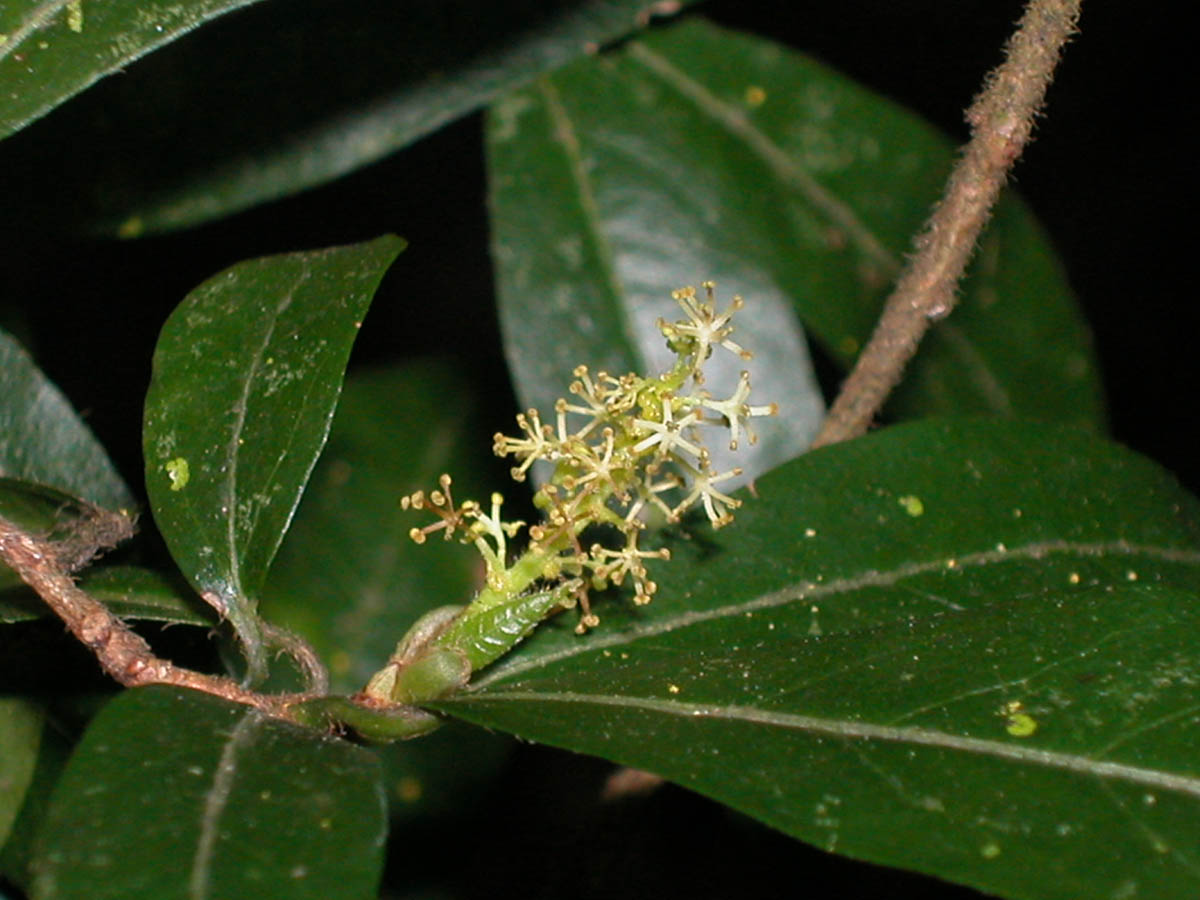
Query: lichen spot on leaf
[{"x": 177, "y": 471}]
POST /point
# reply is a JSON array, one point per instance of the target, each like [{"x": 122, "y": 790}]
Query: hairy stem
[
  {"x": 122, "y": 653},
  {"x": 1001, "y": 120}
]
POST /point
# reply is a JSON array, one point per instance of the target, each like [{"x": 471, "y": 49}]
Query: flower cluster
[{"x": 622, "y": 448}]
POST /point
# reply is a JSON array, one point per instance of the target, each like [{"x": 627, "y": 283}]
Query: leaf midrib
[
  {"x": 838, "y": 212},
  {"x": 807, "y": 591},
  {"x": 216, "y": 799},
  {"x": 857, "y": 730},
  {"x": 567, "y": 138},
  {"x": 241, "y": 411},
  {"x": 778, "y": 160}
]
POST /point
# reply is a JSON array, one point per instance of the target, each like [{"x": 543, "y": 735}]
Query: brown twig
[
  {"x": 1001, "y": 120},
  {"x": 122, "y": 653}
]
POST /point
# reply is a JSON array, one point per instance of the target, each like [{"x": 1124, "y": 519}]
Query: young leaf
[
  {"x": 246, "y": 377},
  {"x": 348, "y": 578},
  {"x": 984, "y": 634},
  {"x": 363, "y": 99},
  {"x": 236, "y": 802},
  {"x": 43, "y": 440},
  {"x": 51, "y": 51},
  {"x": 20, "y": 735},
  {"x": 695, "y": 152}
]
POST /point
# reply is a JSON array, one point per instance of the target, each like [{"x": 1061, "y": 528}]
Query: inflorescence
[{"x": 622, "y": 446}]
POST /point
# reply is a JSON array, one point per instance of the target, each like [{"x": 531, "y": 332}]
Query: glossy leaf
[
  {"x": 237, "y": 803},
  {"x": 128, "y": 591},
  {"x": 372, "y": 79},
  {"x": 20, "y": 735},
  {"x": 246, "y": 376},
  {"x": 43, "y": 440},
  {"x": 696, "y": 152},
  {"x": 349, "y": 579},
  {"x": 966, "y": 648},
  {"x": 52, "y": 50}
]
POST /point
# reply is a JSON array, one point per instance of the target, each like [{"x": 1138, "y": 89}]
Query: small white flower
[
  {"x": 667, "y": 435},
  {"x": 735, "y": 410},
  {"x": 717, "y": 506}
]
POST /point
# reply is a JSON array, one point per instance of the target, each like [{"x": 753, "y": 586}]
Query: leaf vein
[
  {"x": 809, "y": 591},
  {"x": 776, "y": 158},
  {"x": 566, "y": 136},
  {"x": 35, "y": 19},
  {"x": 215, "y": 802},
  {"x": 867, "y": 731}
]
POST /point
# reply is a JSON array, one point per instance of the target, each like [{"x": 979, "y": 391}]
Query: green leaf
[
  {"x": 128, "y": 591},
  {"x": 349, "y": 579},
  {"x": 20, "y": 736},
  {"x": 696, "y": 152},
  {"x": 52, "y": 50},
  {"x": 246, "y": 376},
  {"x": 373, "y": 79},
  {"x": 52, "y": 751},
  {"x": 43, "y": 440},
  {"x": 237, "y": 802},
  {"x": 983, "y": 634}
]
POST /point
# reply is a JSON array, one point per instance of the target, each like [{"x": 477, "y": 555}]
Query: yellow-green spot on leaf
[
  {"x": 1021, "y": 725},
  {"x": 990, "y": 850},
  {"x": 1017, "y": 722},
  {"x": 177, "y": 471},
  {"x": 912, "y": 505},
  {"x": 75, "y": 16}
]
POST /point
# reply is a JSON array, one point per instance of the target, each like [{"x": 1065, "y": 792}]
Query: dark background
[{"x": 1108, "y": 174}]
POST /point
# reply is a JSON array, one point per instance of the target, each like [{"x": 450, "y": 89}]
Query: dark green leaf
[
  {"x": 20, "y": 735},
  {"x": 967, "y": 648},
  {"x": 370, "y": 79},
  {"x": 17, "y": 853},
  {"x": 52, "y": 50},
  {"x": 696, "y": 152},
  {"x": 349, "y": 579},
  {"x": 247, "y": 373},
  {"x": 173, "y": 793},
  {"x": 43, "y": 440}
]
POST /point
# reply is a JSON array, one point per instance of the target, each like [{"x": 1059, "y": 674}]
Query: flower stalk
[{"x": 622, "y": 448}]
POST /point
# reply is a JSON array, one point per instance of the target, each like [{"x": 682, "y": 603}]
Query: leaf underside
[{"x": 44, "y": 441}]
